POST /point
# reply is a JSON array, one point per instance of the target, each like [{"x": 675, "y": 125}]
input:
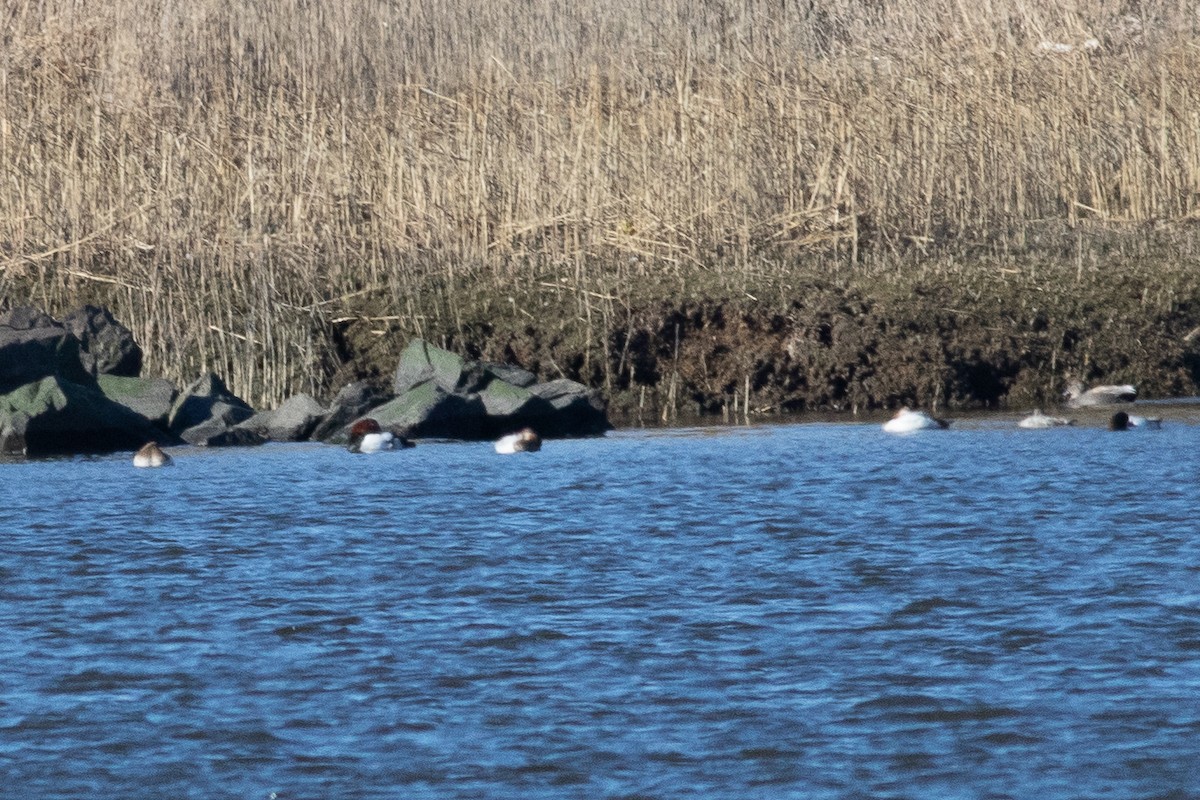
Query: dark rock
[
  {"x": 207, "y": 413},
  {"x": 54, "y": 415},
  {"x": 511, "y": 408},
  {"x": 429, "y": 411},
  {"x": 293, "y": 421},
  {"x": 351, "y": 402},
  {"x": 578, "y": 411},
  {"x": 206, "y": 399},
  {"x": 152, "y": 398},
  {"x": 108, "y": 344},
  {"x": 33, "y": 346},
  {"x": 440, "y": 394},
  {"x": 214, "y": 433}
]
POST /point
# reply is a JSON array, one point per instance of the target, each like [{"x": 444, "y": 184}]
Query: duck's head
[
  {"x": 1119, "y": 422},
  {"x": 364, "y": 426},
  {"x": 527, "y": 440}
]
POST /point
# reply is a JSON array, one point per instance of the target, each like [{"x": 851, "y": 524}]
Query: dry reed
[{"x": 233, "y": 178}]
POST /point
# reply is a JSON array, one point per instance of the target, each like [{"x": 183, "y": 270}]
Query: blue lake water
[{"x": 786, "y": 611}]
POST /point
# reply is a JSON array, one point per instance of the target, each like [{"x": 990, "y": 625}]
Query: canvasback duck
[
  {"x": 907, "y": 421},
  {"x": 151, "y": 455},
  {"x": 1037, "y": 420},
  {"x": 1078, "y": 397},
  {"x": 525, "y": 440},
  {"x": 367, "y": 437}
]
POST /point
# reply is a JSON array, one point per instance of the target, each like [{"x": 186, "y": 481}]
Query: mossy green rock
[
  {"x": 421, "y": 362},
  {"x": 152, "y": 398},
  {"x": 502, "y": 399},
  {"x": 54, "y": 415},
  {"x": 429, "y": 411}
]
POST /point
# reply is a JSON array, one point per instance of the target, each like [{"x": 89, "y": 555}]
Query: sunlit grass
[{"x": 237, "y": 179}]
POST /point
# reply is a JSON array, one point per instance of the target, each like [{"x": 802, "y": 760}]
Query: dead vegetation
[{"x": 263, "y": 189}]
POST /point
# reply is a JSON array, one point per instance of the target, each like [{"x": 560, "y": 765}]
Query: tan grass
[{"x": 233, "y": 177}]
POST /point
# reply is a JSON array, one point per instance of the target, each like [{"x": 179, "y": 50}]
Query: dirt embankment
[{"x": 1002, "y": 338}]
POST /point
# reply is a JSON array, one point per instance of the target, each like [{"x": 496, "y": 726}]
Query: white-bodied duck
[
  {"x": 151, "y": 455},
  {"x": 1037, "y": 421},
  {"x": 907, "y": 421},
  {"x": 525, "y": 440},
  {"x": 366, "y": 436},
  {"x": 1078, "y": 397}
]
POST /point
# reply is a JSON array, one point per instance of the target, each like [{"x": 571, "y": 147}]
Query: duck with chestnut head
[{"x": 367, "y": 436}]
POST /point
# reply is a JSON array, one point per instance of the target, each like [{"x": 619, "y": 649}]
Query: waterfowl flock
[
  {"x": 907, "y": 420},
  {"x": 368, "y": 436}
]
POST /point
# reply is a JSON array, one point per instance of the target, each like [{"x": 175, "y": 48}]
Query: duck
[
  {"x": 151, "y": 455},
  {"x": 907, "y": 421},
  {"x": 1038, "y": 420},
  {"x": 525, "y": 440},
  {"x": 1145, "y": 423},
  {"x": 366, "y": 436},
  {"x": 1119, "y": 422},
  {"x": 1078, "y": 397}
]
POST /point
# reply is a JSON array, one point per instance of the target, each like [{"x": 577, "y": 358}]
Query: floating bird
[
  {"x": 907, "y": 421},
  {"x": 1145, "y": 423},
  {"x": 525, "y": 440},
  {"x": 151, "y": 455},
  {"x": 1038, "y": 420},
  {"x": 1119, "y": 422},
  {"x": 1078, "y": 397},
  {"x": 367, "y": 437}
]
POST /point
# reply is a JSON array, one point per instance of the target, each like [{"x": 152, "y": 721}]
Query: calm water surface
[{"x": 813, "y": 610}]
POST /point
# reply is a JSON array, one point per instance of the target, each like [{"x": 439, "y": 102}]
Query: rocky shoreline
[{"x": 75, "y": 386}]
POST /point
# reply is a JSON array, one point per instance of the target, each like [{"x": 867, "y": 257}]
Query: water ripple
[{"x": 817, "y": 611}]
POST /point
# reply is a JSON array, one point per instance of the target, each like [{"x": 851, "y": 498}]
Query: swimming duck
[
  {"x": 367, "y": 437},
  {"x": 1145, "y": 423},
  {"x": 1078, "y": 397},
  {"x": 1119, "y": 422},
  {"x": 907, "y": 421},
  {"x": 151, "y": 455},
  {"x": 1038, "y": 420},
  {"x": 525, "y": 440}
]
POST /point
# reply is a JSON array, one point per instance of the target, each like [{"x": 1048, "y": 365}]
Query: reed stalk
[{"x": 233, "y": 179}]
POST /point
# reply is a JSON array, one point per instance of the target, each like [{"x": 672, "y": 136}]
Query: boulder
[
  {"x": 578, "y": 411},
  {"x": 33, "y": 346},
  {"x": 293, "y": 421},
  {"x": 152, "y": 398},
  {"x": 207, "y": 398},
  {"x": 54, "y": 416},
  {"x": 429, "y": 411},
  {"x": 510, "y": 408},
  {"x": 443, "y": 395},
  {"x": 105, "y": 343},
  {"x": 207, "y": 407},
  {"x": 350, "y": 403},
  {"x": 214, "y": 433},
  {"x": 421, "y": 362}
]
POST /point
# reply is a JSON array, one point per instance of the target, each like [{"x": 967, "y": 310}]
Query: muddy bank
[{"x": 993, "y": 337}]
